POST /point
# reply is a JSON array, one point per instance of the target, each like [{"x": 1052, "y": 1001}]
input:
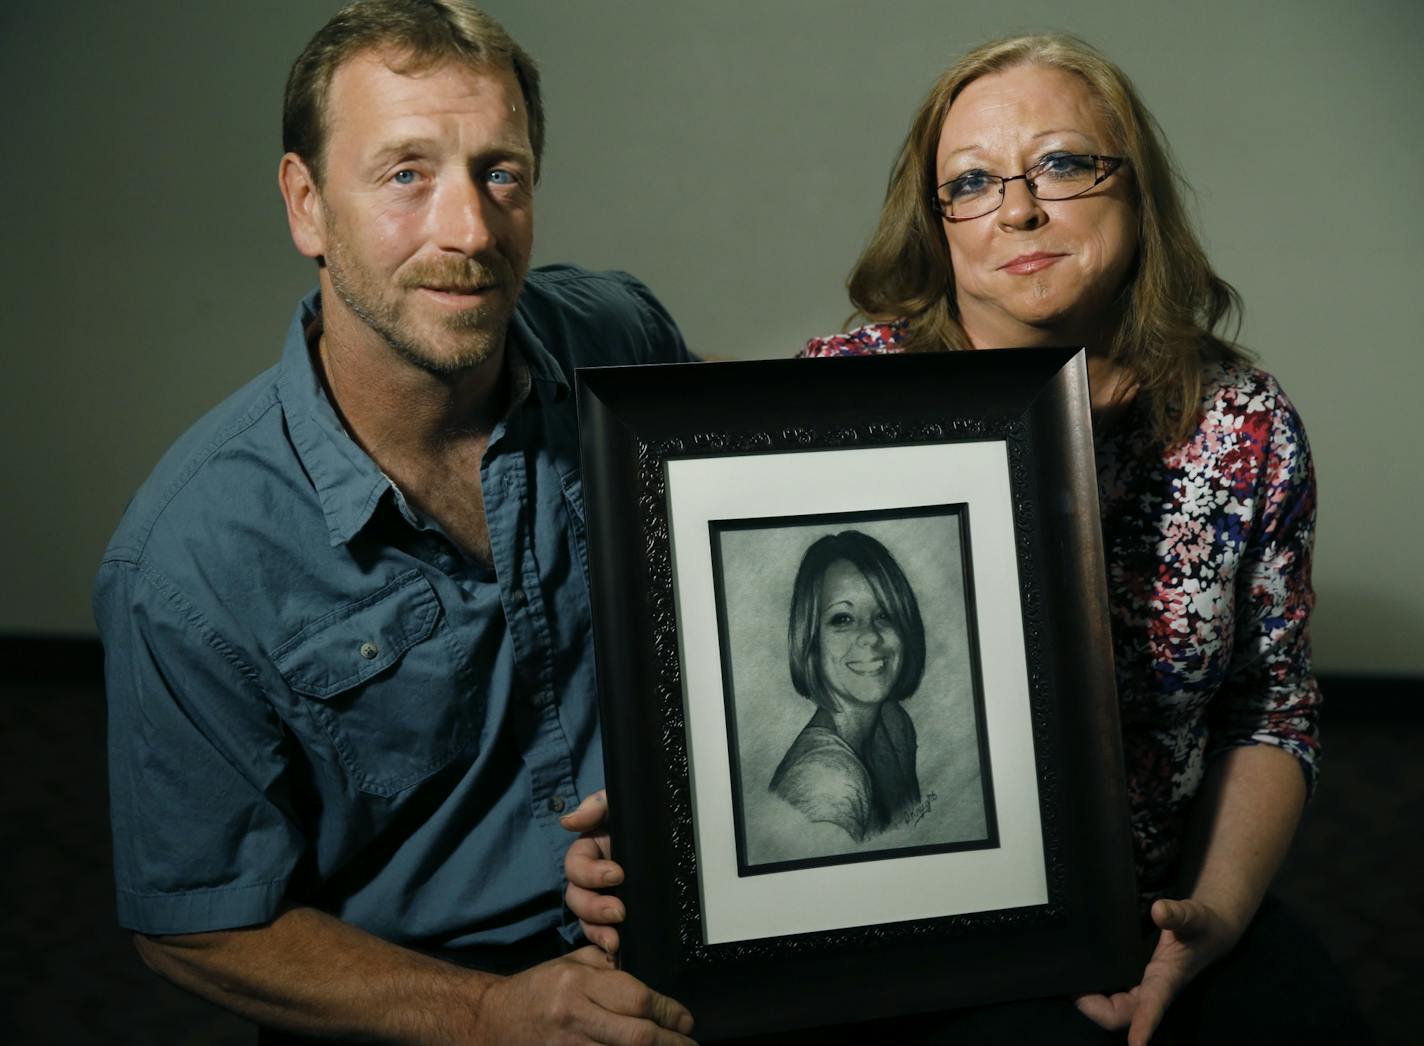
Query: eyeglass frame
[{"x": 1111, "y": 165}]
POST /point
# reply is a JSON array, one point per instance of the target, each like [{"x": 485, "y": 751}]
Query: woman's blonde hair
[{"x": 1174, "y": 311}]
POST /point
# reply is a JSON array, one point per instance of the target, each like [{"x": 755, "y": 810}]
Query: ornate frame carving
[{"x": 634, "y": 421}]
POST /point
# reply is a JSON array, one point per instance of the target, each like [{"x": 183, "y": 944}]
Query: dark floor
[{"x": 67, "y": 975}]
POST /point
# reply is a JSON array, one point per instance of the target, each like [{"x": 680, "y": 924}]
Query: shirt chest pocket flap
[{"x": 386, "y": 684}]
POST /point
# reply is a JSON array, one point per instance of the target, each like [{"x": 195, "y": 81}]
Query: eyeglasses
[{"x": 1060, "y": 177}]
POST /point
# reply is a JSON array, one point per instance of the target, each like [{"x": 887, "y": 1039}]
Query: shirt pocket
[{"x": 383, "y": 679}]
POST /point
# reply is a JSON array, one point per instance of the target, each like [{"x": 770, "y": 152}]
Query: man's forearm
[{"x": 310, "y": 973}]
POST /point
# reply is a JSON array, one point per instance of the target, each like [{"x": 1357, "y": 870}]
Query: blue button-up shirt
[{"x": 316, "y": 699}]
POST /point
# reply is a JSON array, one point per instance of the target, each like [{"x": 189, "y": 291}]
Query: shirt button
[
  {"x": 519, "y": 599},
  {"x": 369, "y": 651},
  {"x": 556, "y": 804}
]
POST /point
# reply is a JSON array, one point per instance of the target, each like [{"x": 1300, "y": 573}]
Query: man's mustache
[{"x": 458, "y": 275}]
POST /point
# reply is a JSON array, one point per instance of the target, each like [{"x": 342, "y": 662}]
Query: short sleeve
[
  {"x": 1270, "y": 695},
  {"x": 203, "y": 835},
  {"x": 823, "y": 779}
]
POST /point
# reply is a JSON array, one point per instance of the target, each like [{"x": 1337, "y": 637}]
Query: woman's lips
[
  {"x": 869, "y": 667},
  {"x": 1026, "y": 264}
]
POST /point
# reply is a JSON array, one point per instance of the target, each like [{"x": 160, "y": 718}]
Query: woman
[
  {"x": 1033, "y": 204},
  {"x": 857, "y": 648}
]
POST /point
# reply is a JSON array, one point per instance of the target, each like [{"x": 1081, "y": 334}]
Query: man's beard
[{"x": 475, "y": 333}]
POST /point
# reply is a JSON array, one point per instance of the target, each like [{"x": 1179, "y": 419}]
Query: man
[{"x": 346, "y": 620}]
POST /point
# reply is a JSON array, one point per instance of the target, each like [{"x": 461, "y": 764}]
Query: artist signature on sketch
[{"x": 918, "y": 812}]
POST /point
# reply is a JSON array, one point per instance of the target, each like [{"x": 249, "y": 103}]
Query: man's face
[{"x": 427, "y": 206}]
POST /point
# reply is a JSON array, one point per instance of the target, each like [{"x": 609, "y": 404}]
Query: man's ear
[{"x": 304, "y": 213}]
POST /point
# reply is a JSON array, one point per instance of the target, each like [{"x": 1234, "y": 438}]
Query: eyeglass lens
[{"x": 1057, "y": 178}]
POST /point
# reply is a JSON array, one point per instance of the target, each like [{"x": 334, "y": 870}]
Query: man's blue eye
[
  {"x": 500, "y": 177},
  {"x": 406, "y": 177}
]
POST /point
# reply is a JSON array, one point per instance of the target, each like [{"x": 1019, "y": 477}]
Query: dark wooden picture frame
[{"x": 1046, "y": 902}]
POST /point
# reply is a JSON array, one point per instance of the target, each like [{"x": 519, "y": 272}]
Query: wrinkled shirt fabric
[{"x": 315, "y": 698}]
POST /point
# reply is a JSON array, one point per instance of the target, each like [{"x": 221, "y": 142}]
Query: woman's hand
[
  {"x": 1192, "y": 937},
  {"x": 1241, "y": 826},
  {"x": 590, "y": 870}
]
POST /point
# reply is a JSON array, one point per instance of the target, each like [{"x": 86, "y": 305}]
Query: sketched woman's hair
[{"x": 891, "y": 588}]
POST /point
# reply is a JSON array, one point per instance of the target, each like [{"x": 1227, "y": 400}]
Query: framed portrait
[{"x": 859, "y": 725}]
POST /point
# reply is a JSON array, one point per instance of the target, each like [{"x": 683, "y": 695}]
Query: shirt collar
[
  {"x": 347, "y": 482},
  {"x": 548, "y": 381}
]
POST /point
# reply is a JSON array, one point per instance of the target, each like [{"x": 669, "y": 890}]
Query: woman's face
[
  {"x": 1035, "y": 272},
  {"x": 860, "y": 648}
]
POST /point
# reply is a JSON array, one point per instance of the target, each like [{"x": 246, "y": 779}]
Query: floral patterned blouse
[{"x": 1208, "y": 547}]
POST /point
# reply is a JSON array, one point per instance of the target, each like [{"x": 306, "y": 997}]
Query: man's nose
[{"x": 462, "y": 216}]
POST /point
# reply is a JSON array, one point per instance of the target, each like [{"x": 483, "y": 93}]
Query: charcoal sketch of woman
[{"x": 857, "y": 648}]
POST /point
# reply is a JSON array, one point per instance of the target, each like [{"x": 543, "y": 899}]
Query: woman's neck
[
  {"x": 1112, "y": 388},
  {"x": 855, "y": 722}
]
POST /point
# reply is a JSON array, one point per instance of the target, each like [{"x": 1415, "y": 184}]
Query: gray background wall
[{"x": 733, "y": 154}]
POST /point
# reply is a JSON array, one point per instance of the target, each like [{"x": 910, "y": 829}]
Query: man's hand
[
  {"x": 589, "y": 870},
  {"x": 580, "y": 999},
  {"x": 1192, "y": 937},
  {"x": 309, "y": 973}
]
